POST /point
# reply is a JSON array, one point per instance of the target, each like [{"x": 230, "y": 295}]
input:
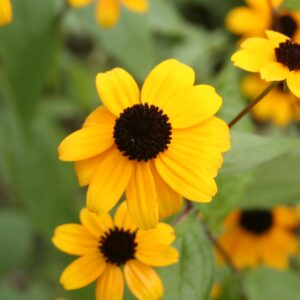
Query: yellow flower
[
  {"x": 259, "y": 15},
  {"x": 6, "y": 13},
  {"x": 259, "y": 236},
  {"x": 157, "y": 145},
  {"x": 279, "y": 106},
  {"x": 106, "y": 247},
  {"x": 276, "y": 58},
  {"x": 108, "y": 11}
]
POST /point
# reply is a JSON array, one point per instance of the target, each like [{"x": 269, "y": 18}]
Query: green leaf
[
  {"x": 26, "y": 49},
  {"x": 16, "y": 240},
  {"x": 291, "y": 4},
  {"x": 192, "y": 276},
  {"x": 275, "y": 183},
  {"x": 249, "y": 150},
  {"x": 266, "y": 284}
]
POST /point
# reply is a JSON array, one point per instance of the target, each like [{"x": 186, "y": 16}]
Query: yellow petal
[
  {"x": 141, "y": 197},
  {"x": 95, "y": 224},
  {"x": 169, "y": 202},
  {"x": 293, "y": 82},
  {"x": 276, "y": 38},
  {"x": 74, "y": 239},
  {"x": 165, "y": 81},
  {"x": 258, "y": 44},
  {"x": 86, "y": 168},
  {"x": 245, "y": 21},
  {"x": 79, "y": 3},
  {"x": 163, "y": 234},
  {"x": 251, "y": 60},
  {"x": 99, "y": 116},
  {"x": 110, "y": 285},
  {"x": 138, "y": 6},
  {"x": 117, "y": 90},
  {"x": 285, "y": 217},
  {"x": 193, "y": 106},
  {"x": 109, "y": 183},
  {"x": 274, "y": 72},
  {"x": 143, "y": 281},
  {"x": 107, "y": 12},
  {"x": 193, "y": 159},
  {"x": 83, "y": 271},
  {"x": 86, "y": 142},
  {"x": 157, "y": 255},
  {"x": 6, "y": 13},
  {"x": 122, "y": 218}
]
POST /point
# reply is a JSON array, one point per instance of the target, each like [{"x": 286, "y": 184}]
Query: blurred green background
[{"x": 48, "y": 61}]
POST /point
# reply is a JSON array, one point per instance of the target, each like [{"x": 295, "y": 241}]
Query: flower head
[
  {"x": 108, "y": 11},
  {"x": 6, "y": 13},
  {"x": 158, "y": 145},
  {"x": 280, "y": 106},
  {"x": 276, "y": 58},
  {"x": 260, "y": 236},
  {"x": 107, "y": 246},
  {"x": 260, "y": 15}
]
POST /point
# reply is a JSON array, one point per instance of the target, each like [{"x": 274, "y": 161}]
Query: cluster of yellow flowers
[{"x": 162, "y": 143}]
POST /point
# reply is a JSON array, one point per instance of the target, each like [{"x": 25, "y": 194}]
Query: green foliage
[
  {"x": 16, "y": 239},
  {"x": 192, "y": 277},
  {"x": 249, "y": 150},
  {"x": 291, "y": 4},
  {"x": 265, "y": 284}
]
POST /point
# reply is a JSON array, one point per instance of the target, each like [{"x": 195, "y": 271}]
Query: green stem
[{"x": 265, "y": 92}]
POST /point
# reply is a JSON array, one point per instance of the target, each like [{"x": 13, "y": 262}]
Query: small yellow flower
[
  {"x": 260, "y": 236},
  {"x": 107, "y": 247},
  {"x": 6, "y": 13},
  {"x": 158, "y": 145},
  {"x": 276, "y": 58},
  {"x": 260, "y": 15},
  {"x": 279, "y": 106},
  {"x": 108, "y": 11}
]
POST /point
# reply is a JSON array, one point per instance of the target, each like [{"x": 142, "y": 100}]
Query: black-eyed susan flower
[
  {"x": 158, "y": 145},
  {"x": 108, "y": 11},
  {"x": 111, "y": 250},
  {"x": 260, "y": 236},
  {"x": 6, "y": 13},
  {"x": 260, "y": 15},
  {"x": 276, "y": 58},
  {"x": 280, "y": 106}
]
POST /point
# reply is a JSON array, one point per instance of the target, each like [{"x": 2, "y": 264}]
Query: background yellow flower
[
  {"x": 260, "y": 15},
  {"x": 260, "y": 236},
  {"x": 280, "y": 106},
  {"x": 105, "y": 246},
  {"x": 6, "y": 13},
  {"x": 108, "y": 11}
]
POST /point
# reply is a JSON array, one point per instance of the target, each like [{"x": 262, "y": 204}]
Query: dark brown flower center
[
  {"x": 257, "y": 221},
  {"x": 118, "y": 246},
  {"x": 288, "y": 53},
  {"x": 142, "y": 131},
  {"x": 285, "y": 24}
]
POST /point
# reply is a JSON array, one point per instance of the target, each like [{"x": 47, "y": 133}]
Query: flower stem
[
  {"x": 253, "y": 103},
  {"x": 235, "y": 271},
  {"x": 185, "y": 213}
]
